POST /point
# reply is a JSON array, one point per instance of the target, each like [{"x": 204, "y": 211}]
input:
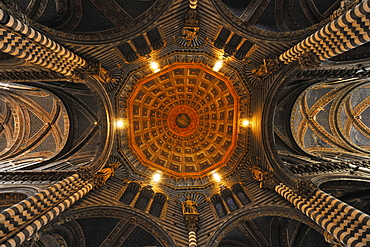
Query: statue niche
[{"x": 189, "y": 206}]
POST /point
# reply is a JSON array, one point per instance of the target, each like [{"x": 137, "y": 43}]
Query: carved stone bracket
[
  {"x": 344, "y": 6},
  {"x": 95, "y": 70},
  {"x": 101, "y": 177},
  {"x": 268, "y": 67},
  {"x": 13, "y": 9},
  {"x": 331, "y": 240},
  {"x": 85, "y": 172},
  {"x": 191, "y": 222},
  {"x": 190, "y": 212},
  {"x": 190, "y": 32},
  {"x": 306, "y": 188},
  {"x": 308, "y": 60},
  {"x": 266, "y": 179}
]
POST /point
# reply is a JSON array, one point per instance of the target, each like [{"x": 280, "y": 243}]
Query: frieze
[
  {"x": 26, "y": 176},
  {"x": 333, "y": 73},
  {"x": 317, "y": 168},
  {"x": 13, "y": 75}
]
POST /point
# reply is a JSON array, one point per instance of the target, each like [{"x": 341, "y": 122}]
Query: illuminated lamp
[
  {"x": 157, "y": 177},
  {"x": 120, "y": 123},
  {"x": 216, "y": 176},
  {"x": 218, "y": 65},
  {"x": 245, "y": 122},
  {"x": 154, "y": 66}
]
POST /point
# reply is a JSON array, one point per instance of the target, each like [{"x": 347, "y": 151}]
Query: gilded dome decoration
[{"x": 183, "y": 120}]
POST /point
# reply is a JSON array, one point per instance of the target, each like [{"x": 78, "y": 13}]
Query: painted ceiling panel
[
  {"x": 133, "y": 8},
  {"x": 333, "y": 120},
  {"x": 91, "y": 12}
]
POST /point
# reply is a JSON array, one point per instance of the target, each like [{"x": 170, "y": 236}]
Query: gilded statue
[
  {"x": 105, "y": 173},
  {"x": 189, "y": 206}
]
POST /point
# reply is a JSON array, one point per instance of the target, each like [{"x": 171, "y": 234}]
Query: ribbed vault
[
  {"x": 34, "y": 124},
  {"x": 332, "y": 118}
]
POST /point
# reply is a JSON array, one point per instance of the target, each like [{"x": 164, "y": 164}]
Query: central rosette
[{"x": 183, "y": 120}]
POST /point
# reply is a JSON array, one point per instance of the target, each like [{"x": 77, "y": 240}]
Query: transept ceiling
[{"x": 332, "y": 117}]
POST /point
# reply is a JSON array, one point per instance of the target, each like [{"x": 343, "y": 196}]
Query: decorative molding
[
  {"x": 35, "y": 175},
  {"x": 268, "y": 67}
]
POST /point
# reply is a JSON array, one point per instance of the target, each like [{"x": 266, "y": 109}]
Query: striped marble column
[
  {"x": 348, "y": 225},
  {"x": 22, "y": 220},
  {"x": 345, "y": 33},
  {"x": 193, "y": 4},
  {"x": 192, "y": 239},
  {"x": 22, "y": 41}
]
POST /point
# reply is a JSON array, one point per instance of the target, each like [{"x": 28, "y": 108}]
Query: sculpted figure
[{"x": 189, "y": 206}]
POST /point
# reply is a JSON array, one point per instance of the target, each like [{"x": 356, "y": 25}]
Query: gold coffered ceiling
[{"x": 184, "y": 120}]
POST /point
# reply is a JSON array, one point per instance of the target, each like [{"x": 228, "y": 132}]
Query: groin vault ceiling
[{"x": 332, "y": 118}]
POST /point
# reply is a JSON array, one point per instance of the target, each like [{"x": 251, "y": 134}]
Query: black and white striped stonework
[
  {"x": 192, "y": 239},
  {"x": 23, "y": 29},
  {"x": 346, "y": 32},
  {"x": 36, "y": 225},
  {"x": 44, "y": 205},
  {"x": 347, "y": 224},
  {"x": 19, "y": 47}
]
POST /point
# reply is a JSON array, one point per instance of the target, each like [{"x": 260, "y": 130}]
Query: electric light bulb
[
  {"x": 120, "y": 124},
  {"x": 156, "y": 177},
  {"x": 218, "y": 65},
  {"x": 216, "y": 176},
  {"x": 154, "y": 66},
  {"x": 245, "y": 122}
]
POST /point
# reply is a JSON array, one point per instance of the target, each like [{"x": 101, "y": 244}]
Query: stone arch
[
  {"x": 121, "y": 222},
  {"x": 254, "y": 225},
  {"x": 158, "y": 203},
  {"x": 35, "y": 124},
  {"x": 130, "y": 193}
]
